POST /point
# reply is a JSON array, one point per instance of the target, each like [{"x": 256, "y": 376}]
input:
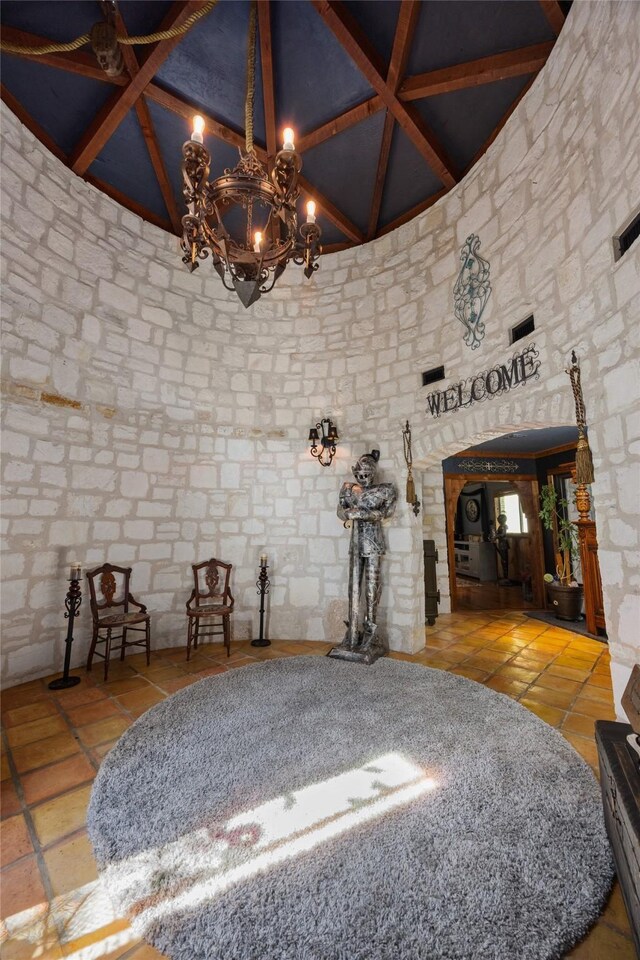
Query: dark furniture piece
[
  {"x": 620, "y": 784},
  {"x": 113, "y": 616},
  {"x": 431, "y": 592},
  {"x": 211, "y": 603}
]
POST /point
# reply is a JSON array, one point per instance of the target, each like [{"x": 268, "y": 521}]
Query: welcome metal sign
[{"x": 515, "y": 372}]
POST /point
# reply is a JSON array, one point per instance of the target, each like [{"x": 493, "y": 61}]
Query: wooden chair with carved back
[
  {"x": 113, "y": 617},
  {"x": 210, "y": 605}
]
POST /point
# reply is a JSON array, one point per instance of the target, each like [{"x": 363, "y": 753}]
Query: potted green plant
[{"x": 564, "y": 591}]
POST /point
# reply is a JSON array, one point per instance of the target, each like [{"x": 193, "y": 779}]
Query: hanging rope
[
  {"x": 584, "y": 459},
  {"x": 251, "y": 79},
  {"x": 129, "y": 41},
  {"x": 408, "y": 457}
]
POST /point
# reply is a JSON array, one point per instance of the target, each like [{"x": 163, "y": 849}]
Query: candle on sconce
[
  {"x": 75, "y": 570},
  {"x": 263, "y": 559},
  {"x": 288, "y": 139},
  {"x": 198, "y": 129},
  {"x": 257, "y": 240},
  {"x": 311, "y": 212}
]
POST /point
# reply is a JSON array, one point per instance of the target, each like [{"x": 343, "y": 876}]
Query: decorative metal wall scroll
[
  {"x": 471, "y": 292},
  {"x": 517, "y": 371},
  {"x": 478, "y": 465},
  {"x": 408, "y": 457}
]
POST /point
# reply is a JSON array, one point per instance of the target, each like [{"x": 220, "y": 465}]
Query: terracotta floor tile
[
  {"x": 33, "y": 711},
  {"x": 233, "y": 664},
  {"x": 471, "y": 673},
  {"x": 569, "y": 673},
  {"x": 35, "y": 730},
  {"x": 555, "y": 698},
  {"x": 15, "y": 841},
  {"x": 71, "y": 864},
  {"x": 77, "y": 696},
  {"x": 92, "y": 712},
  {"x": 515, "y": 672},
  {"x": 146, "y": 952},
  {"x": 551, "y": 715},
  {"x": 580, "y": 663},
  {"x": 585, "y": 747},
  {"x": 100, "y": 752},
  {"x": 59, "y": 817},
  {"x": 491, "y": 657},
  {"x": 41, "y": 752},
  {"x": 9, "y": 799},
  {"x": 594, "y": 708},
  {"x": 21, "y": 696},
  {"x": 103, "y": 730},
  {"x": 576, "y": 723},
  {"x": 615, "y": 913},
  {"x": 558, "y": 683},
  {"x": 508, "y": 643},
  {"x": 57, "y": 778},
  {"x": 141, "y": 699},
  {"x": 170, "y": 686},
  {"x": 5, "y": 769},
  {"x": 21, "y": 887},
  {"x": 210, "y": 672},
  {"x": 114, "y": 688},
  {"x": 592, "y": 692},
  {"x": 604, "y": 943},
  {"x": 158, "y": 674},
  {"x": 504, "y": 685},
  {"x": 601, "y": 679},
  {"x": 118, "y": 670}
]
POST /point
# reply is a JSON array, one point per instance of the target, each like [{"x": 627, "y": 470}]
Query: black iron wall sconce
[{"x": 325, "y": 433}]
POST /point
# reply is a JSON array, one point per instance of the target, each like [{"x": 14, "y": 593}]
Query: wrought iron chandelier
[{"x": 246, "y": 219}]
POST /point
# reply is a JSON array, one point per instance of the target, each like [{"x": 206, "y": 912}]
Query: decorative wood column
[
  {"x": 588, "y": 542},
  {"x": 529, "y": 498}
]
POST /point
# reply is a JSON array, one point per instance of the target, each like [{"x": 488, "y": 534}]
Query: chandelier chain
[
  {"x": 251, "y": 79},
  {"x": 19, "y": 48}
]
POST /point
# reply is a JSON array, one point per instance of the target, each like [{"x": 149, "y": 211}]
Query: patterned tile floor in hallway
[{"x": 52, "y": 745}]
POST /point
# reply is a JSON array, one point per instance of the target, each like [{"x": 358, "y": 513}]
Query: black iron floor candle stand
[
  {"x": 262, "y": 583},
  {"x": 72, "y": 603}
]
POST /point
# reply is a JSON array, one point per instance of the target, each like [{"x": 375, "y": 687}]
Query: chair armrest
[
  {"x": 230, "y": 596},
  {"x": 131, "y": 599},
  {"x": 191, "y": 599}
]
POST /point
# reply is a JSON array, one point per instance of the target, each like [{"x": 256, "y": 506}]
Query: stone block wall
[{"x": 150, "y": 419}]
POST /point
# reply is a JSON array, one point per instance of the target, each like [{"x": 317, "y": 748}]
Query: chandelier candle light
[{"x": 245, "y": 219}]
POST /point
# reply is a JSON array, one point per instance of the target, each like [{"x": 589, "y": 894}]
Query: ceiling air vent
[
  {"x": 622, "y": 243},
  {"x": 432, "y": 376},
  {"x": 522, "y": 329}
]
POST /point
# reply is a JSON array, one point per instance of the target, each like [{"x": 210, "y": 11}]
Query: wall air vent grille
[
  {"x": 522, "y": 329},
  {"x": 629, "y": 236},
  {"x": 432, "y": 376}
]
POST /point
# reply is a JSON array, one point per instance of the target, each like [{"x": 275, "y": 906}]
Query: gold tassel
[
  {"x": 584, "y": 460},
  {"x": 411, "y": 490}
]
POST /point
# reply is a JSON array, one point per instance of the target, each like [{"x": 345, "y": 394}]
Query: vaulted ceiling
[{"x": 393, "y": 101}]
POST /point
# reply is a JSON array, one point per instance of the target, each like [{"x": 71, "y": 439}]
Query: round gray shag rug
[{"x": 311, "y": 809}]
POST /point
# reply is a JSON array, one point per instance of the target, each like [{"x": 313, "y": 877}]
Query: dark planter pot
[{"x": 566, "y": 601}]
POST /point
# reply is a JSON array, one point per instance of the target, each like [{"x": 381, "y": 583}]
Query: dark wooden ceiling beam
[
  {"x": 499, "y": 66},
  {"x": 342, "y": 122},
  {"x": 356, "y": 44},
  {"x": 554, "y": 14},
  {"x": 331, "y": 212},
  {"x": 268, "y": 90},
  {"x": 83, "y": 64},
  {"x": 114, "y": 111},
  {"x": 28, "y": 121},
  {"x": 405, "y": 27},
  {"x": 146, "y": 125}
]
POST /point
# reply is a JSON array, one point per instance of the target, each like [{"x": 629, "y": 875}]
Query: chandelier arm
[{"x": 251, "y": 78}]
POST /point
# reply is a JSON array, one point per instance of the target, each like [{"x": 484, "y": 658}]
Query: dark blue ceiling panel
[
  {"x": 409, "y": 179},
  {"x": 378, "y": 19},
  {"x": 62, "y": 103},
  {"x": 61, "y": 20},
  {"x": 330, "y": 233},
  {"x": 458, "y": 30},
  {"x": 208, "y": 67},
  {"x": 344, "y": 168},
  {"x": 141, "y": 17},
  {"x": 315, "y": 79},
  {"x": 125, "y": 164},
  {"x": 463, "y": 120}
]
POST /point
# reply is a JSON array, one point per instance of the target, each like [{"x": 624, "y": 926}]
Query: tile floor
[{"x": 53, "y": 743}]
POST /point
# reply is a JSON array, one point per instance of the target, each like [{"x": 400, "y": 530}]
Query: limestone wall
[{"x": 149, "y": 420}]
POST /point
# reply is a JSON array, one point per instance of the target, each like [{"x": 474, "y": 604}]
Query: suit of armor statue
[{"x": 366, "y": 504}]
